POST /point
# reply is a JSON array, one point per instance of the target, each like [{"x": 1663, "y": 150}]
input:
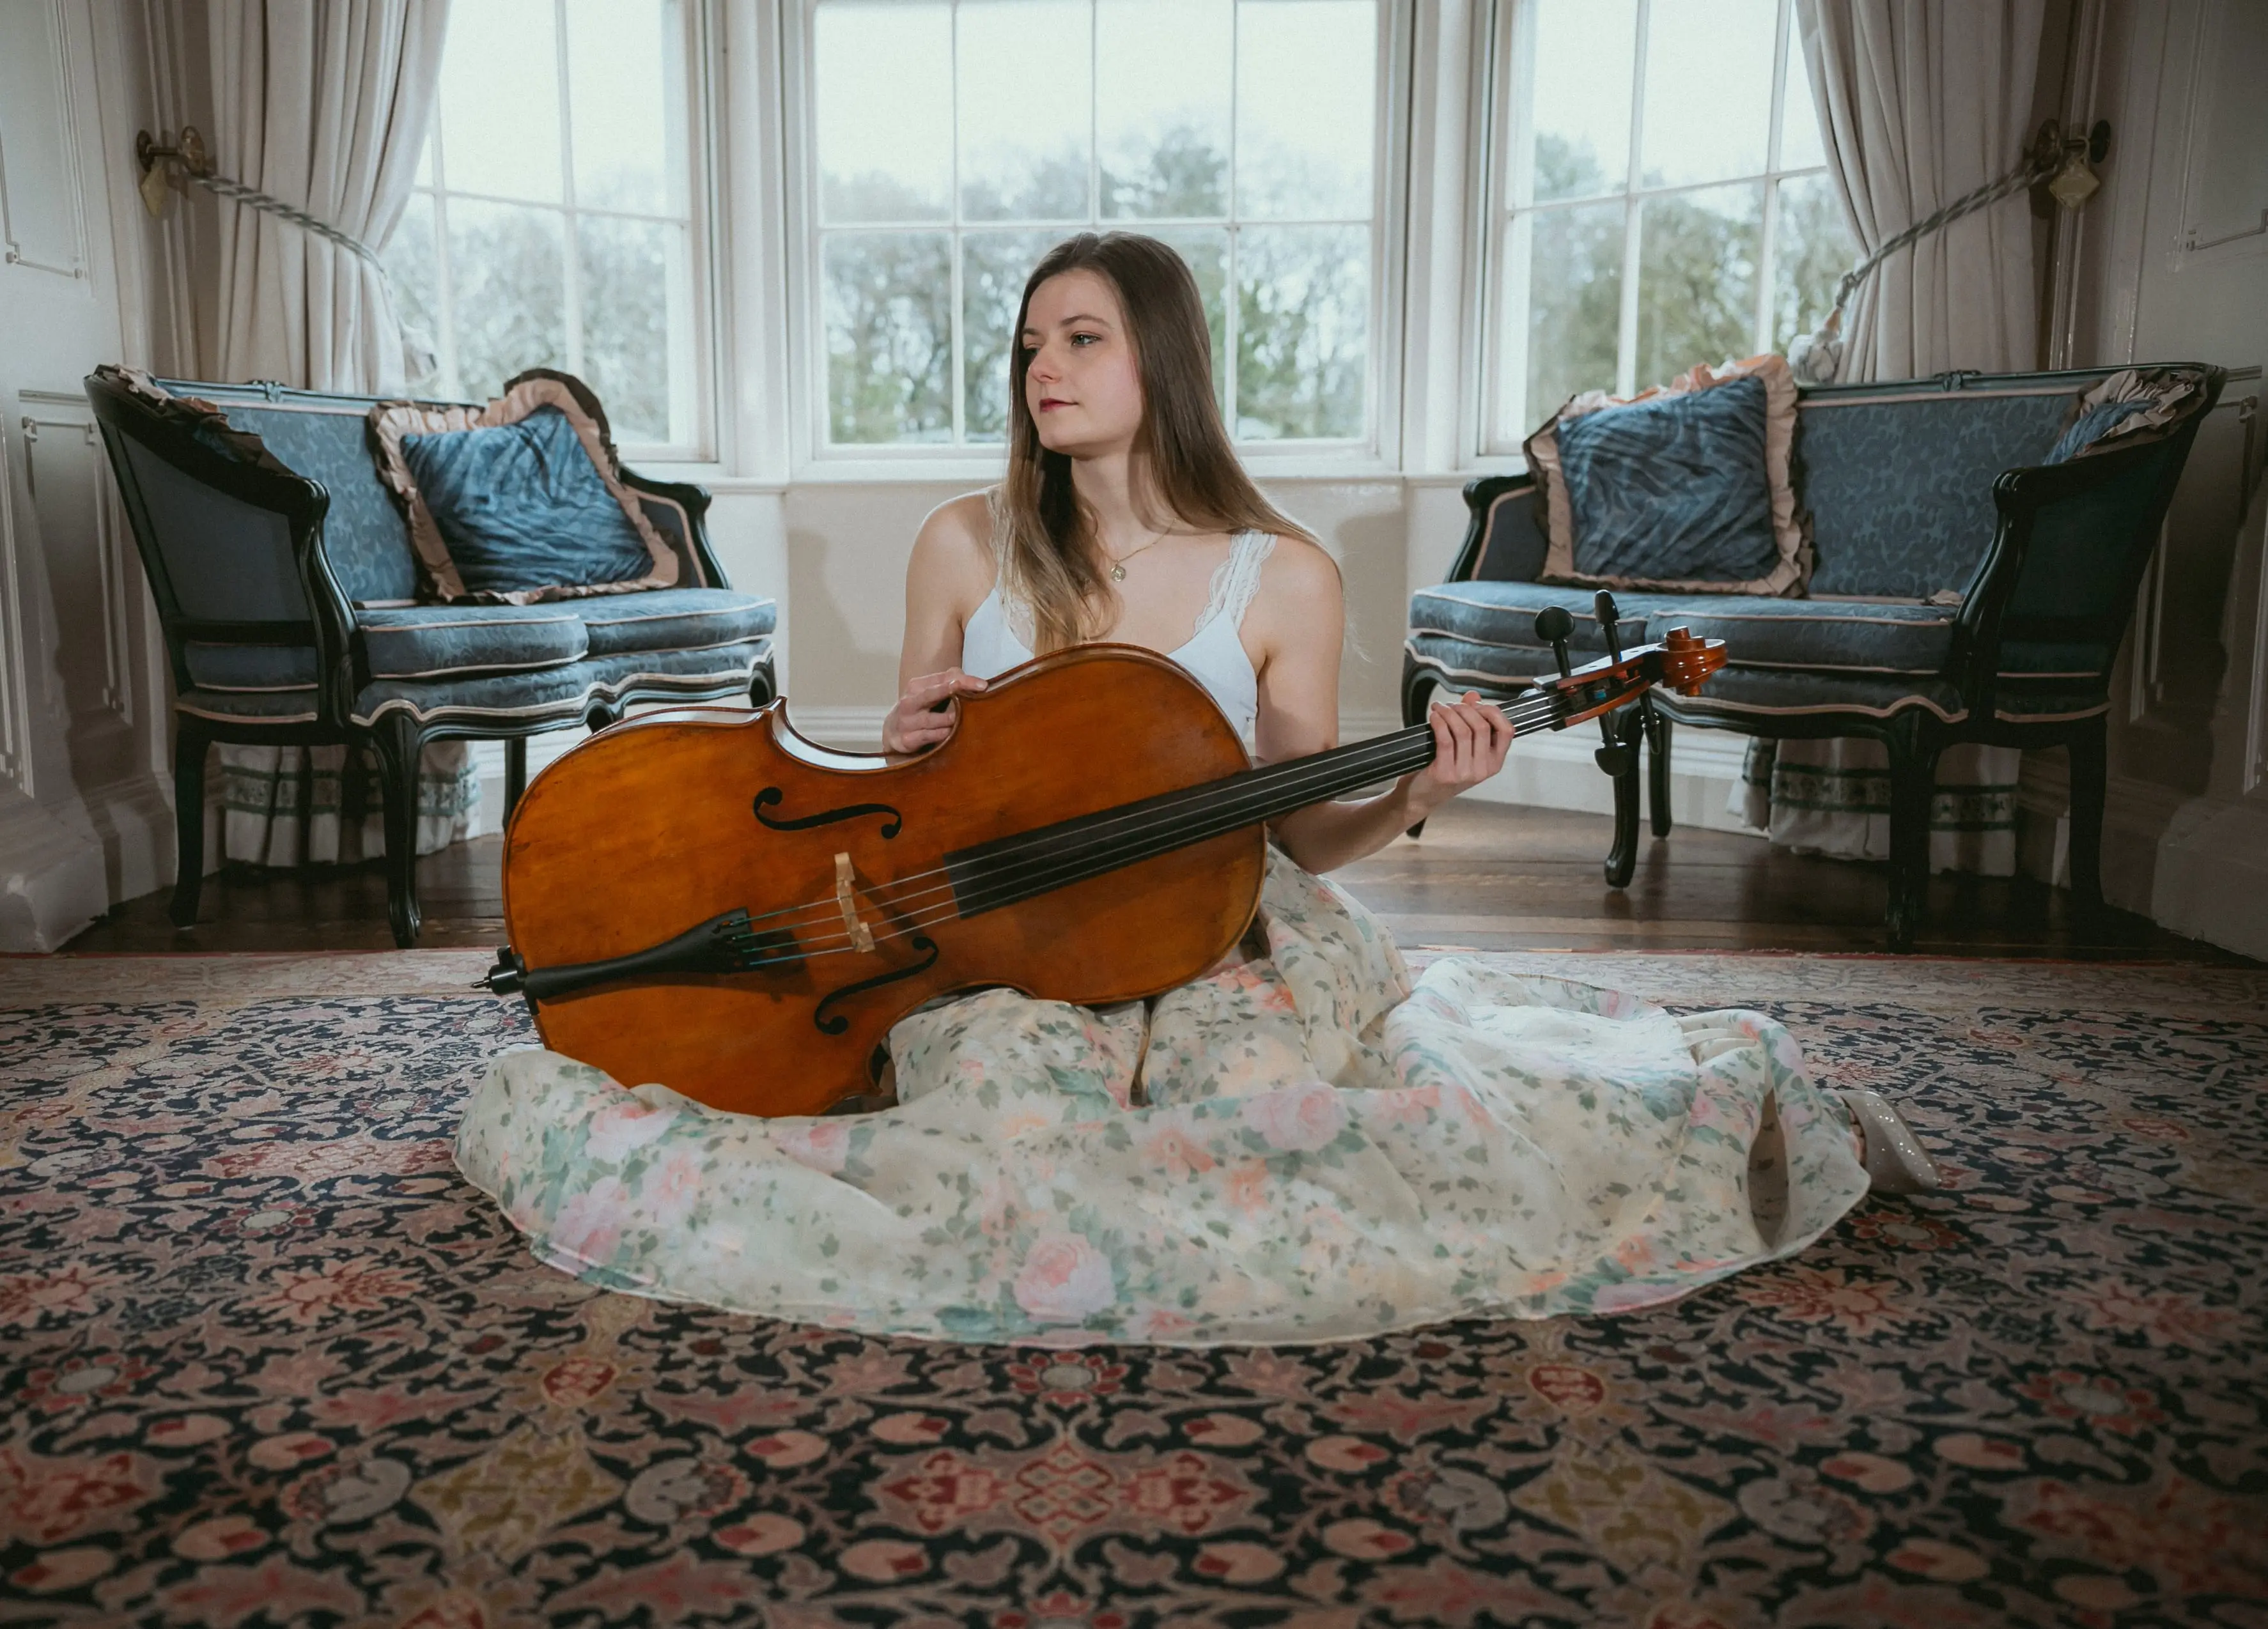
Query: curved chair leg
[
  {"x": 602, "y": 716},
  {"x": 189, "y": 745},
  {"x": 2088, "y": 782},
  {"x": 1657, "y": 768},
  {"x": 1914, "y": 746},
  {"x": 1622, "y": 860},
  {"x": 400, "y": 745},
  {"x": 515, "y": 772}
]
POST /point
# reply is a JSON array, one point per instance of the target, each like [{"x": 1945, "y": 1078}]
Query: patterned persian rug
[{"x": 265, "y": 1359}]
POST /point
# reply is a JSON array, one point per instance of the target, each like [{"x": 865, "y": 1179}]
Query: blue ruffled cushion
[
  {"x": 2094, "y": 424},
  {"x": 522, "y": 507},
  {"x": 1674, "y": 488}
]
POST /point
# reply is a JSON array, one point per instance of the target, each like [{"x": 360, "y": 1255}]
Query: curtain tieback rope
[
  {"x": 1818, "y": 357},
  {"x": 189, "y": 157},
  {"x": 266, "y": 203}
]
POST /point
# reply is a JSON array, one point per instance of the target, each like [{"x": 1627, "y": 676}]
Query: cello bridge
[{"x": 862, "y": 937}]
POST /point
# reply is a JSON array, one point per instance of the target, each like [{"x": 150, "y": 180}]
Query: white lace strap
[{"x": 1236, "y": 579}]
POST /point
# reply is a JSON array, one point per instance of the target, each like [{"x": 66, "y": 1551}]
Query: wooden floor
[{"x": 1484, "y": 876}]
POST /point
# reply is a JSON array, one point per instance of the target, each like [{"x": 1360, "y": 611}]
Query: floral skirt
[{"x": 1299, "y": 1146}]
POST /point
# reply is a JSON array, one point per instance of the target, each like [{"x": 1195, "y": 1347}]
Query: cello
[{"x": 702, "y": 896}]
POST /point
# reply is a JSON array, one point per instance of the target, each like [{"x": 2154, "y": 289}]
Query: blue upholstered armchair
[
  {"x": 288, "y": 589},
  {"x": 1965, "y": 588}
]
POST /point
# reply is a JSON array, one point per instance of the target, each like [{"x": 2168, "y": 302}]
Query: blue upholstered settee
[
  {"x": 1963, "y": 589},
  {"x": 288, "y": 591}
]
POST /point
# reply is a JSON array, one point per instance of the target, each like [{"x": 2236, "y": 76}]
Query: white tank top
[{"x": 1213, "y": 654}]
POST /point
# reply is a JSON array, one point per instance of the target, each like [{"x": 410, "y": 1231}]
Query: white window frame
[
  {"x": 700, "y": 135},
  {"x": 814, "y": 459},
  {"x": 1506, "y": 131}
]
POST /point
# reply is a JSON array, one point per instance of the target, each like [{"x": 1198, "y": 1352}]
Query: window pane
[
  {"x": 508, "y": 279},
  {"x": 500, "y": 100},
  {"x": 885, "y": 111},
  {"x": 411, "y": 269},
  {"x": 993, "y": 267},
  {"x": 1811, "y": 250},
  {"x": 1024, "y": 155},
  {"x": 890, "y": 337},
  {"x": 1708, "y": 89},
  {"x": 621, "y": 97},
  {"x": 1574, "y": 308},
  {"x": 1305, "y": 79},
  {"x": 631, "y": 270},
  {"x": 1580, "y": 93},
  {"x": 1696, "y": 279},
  {"x": 1162, "y": 88},
  {"x": 1206, "y": 250},
  {"x": 1800, "y": 143},
  {"x": 1303, "y": 317}
]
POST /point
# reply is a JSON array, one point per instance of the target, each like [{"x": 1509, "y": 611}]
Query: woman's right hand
[{"x": 926, "y": 714}]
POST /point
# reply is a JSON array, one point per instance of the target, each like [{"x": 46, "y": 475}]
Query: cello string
[
  {"x": 1373, "y": 759},
  {"x": 1369, "y": 760},
  {"x": 893, "y": 898},
  {"x": 1066, "y": 869}
]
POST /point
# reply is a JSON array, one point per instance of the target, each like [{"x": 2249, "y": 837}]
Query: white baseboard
[
  {"x": 61, "y": 870},
  {"x": 2195, "y": 866},
  {"x": 2212, "y": 876}
]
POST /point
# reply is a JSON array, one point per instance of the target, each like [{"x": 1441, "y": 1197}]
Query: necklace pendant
[{"x": 1117, "y": 574}]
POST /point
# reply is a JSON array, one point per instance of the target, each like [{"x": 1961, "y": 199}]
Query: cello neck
[{"x": 1030, "y": 863}]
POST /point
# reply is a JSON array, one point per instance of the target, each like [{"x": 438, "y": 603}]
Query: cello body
[{"x": 656, "y": 826}]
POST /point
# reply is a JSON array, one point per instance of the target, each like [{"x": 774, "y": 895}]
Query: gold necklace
[{"x": 1118, "y": 566}]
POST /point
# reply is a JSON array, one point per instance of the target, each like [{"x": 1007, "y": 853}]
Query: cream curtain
[
  {"x": 1919, "y": 101},
  {"x": 326, "y": 107}
]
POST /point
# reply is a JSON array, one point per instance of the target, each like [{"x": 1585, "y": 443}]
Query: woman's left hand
[{"x": 1470, "y": 737}]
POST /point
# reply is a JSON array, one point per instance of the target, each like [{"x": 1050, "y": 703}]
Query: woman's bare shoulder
[
  {"x": 954, "y": 544},
  {"x": 1302, "y": 576}
]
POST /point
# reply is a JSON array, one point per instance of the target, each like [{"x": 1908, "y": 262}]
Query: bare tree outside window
[
  {"x": 1664, "y": 201},
  {"x": 552, "y": 222},
  {"x": 1241, "y": 132}
]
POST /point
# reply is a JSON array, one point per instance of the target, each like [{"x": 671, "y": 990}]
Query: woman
[
  {"x": 1298, "y": 1146},
  {"x": 1126, "y": 516}
]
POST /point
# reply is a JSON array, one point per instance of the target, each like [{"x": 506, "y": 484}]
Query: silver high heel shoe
[{"x": 1895, "y": 1159}]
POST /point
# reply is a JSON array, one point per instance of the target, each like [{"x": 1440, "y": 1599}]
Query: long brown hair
[{"x": 1043, "y": 534}]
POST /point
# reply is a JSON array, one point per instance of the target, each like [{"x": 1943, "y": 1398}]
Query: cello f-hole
[
  {"x": 772, "y": 794},
  {"x": 835, "y": 1023}
]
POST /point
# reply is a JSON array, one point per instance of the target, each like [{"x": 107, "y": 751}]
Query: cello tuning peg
[
  {"x": 1610, "y": 617},
  {"x": 1553, "y": 625}
]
